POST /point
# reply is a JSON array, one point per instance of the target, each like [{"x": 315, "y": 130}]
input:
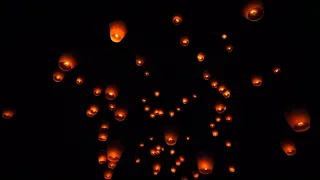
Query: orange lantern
[
  {"x": 194, "y": 96},
  {"x": 152, "y": 115},
  {"x": 171, "y": 113},
  {"x": 184, "y": 100},
  {"x": 232, "y": 169},
  {"x": 205, "y": 164},
  {"x": 104, "y": 125},
  {"x": 146, "y": 108},
  {"x": 139, "y": 60},
  {"x": 206, "y": 75},
  {"x": 178, "y": 162},
  {"x": 201, "y": 56},
  {"x": 97, "y": 91},
  {"x": 228, "y": 143},
  {"x": 224, "y": 36},
  {"x": 226, "y": 94},
  {"x": 228, "y": 118},
  {"x": 111, "y": 92},
  {"x": 156, "y": 93},
  {"x": 298, "y": 119},
  {"x": 67, "y": 62},
  {"x": 184, "y": 41},
  {"x": 220, "y": 108},
  {"x": 188, "y": 138},
  {"x": 146, "y": 73},
  {"x": 8, "y": 113},
  {"x": 214, "y": 83},
  {"x": 151, "y": 138},
  {"x": 79, "y": 80},
  {"x": 256, "y": 80},
  {"x": 92, "y": 111},
  {"x": 112, "y": 106},
  {"x": 218, "y": 119},
  {"x": 144, "y": 100},
  {"x": 173, "y": 169},
  {"x": 215, "y": 132},
  {"x": 141, "y": 144},
  {"x": 102, "y": 157},
  {"x": 58, "y": 76},
  {"x": 222, "y": 88},
  {"x": 229, "y": 48},
  {"x": 172, "y": 152},
  {"x": 111, "y": 165},
  {"x": 170, "y": 137},
  {"x": 108, "y": 174},
  {"x": 114, "y": 151},
  {"x": 177, "y": 19},
  {"x": 118, "y": 31},
  {"x": 153, "y": 152},
  {"x": 138, "y": 160},
  {"x": 156, "y": 167},
  {"x": 120, "y": 114},
  {"x": 184, "y": 178},
  {"x": 253, "y": 11},
  {"x": 103, "y": 135},
  {"x": 178, "y": 109},
  {"x": 195, "y": 175},
  {"x": 276, "y": 70},
  {"x": 288, "y": 147}
]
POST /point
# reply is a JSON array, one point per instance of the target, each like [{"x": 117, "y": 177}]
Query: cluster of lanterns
[{"x": 298, "y": 119}]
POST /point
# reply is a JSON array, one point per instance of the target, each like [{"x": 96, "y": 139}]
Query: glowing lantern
[
  {"x": 229, "y": 48},
  {"x": 118, "y": 31},
  {"x": 184, "y": 41},
  {"x": 253, "y": 11},
  {"x": 146, "y": 108},
  {"x": 256, "y": 80},
  {"x": 141, "y": 144},
  {"x": 138, "y": 160},
  {"x": 111, "y": 92},
  {"x": 178, "y": 109},
  {"x": 67, "y": 62},
  {"x": 58, "y": 76},
  {"x": 108, "y": 174},
  {"x": 97, "y": 91},
  {"x": 231, "y": 169},
  {"x": 184, "y": 100},
  {"x": 153, "y": 152},
  {"x": 158, "y": 147},
  {"x": 102, "y": 157},
  {"x": 146, "y": 73},
  {"x": 201, "y": 56},
  {"x": 178, "y": 162},
  {"x": 194, "y": 96},
  {"x": 156, "y": 167},
  {"x": 152, "y": 115},
  {"x": 120, "y": 114},
  {"x": 171, "y": 113},
  {"x": 170, "y": 137},
  {"x": 226, "y": 94},
  {"x": 151, "y": 138},
  {"x": 79, "y": 80},
  {"x": 112, "y": 106},
  {"x": 222, "y": 88},
  {"x": 160, "y": 112},
  {"x": 214, "y": 83},
  {"x": 172, "y": 151},
  {"x": 206, "y": 75},
  {"x": 195, "y": 175},
  {"x": 298, "y": 119},
  {"x": 212, "y": 125},
  {"x": 184, "y": 178},
  {"x": 228, "y": 143},
  {"x": 188, "y": 138},
  {"x": 224, "y": 36},
  {"x": 218, "y": 119},
  {"x": 111, "y": 165},
  {"x": 177, "y": 19},
  {"x": 104, "y": 125},
  {"x": 205, "y": 164},
  {"x": 92, "y": 111},
  {"x": 156, "y": 93},
  {"x": 181, "y": 158},
  {"x": 114, "y": 151},
  {"x": 103, "y": 135},
  {"x": 215, "y": 133},
  {"x": 173, "y": 169},
  {"x": 144, "y": 100},
  {"x": 155, "y": 173},
  {"x": 139, "y": 60},
  {"x": 220, "y": 108},
  {"x": 228, "y": 118},
  {"x": 162, "y": 148},
  {"x": 288, "y": 147},
  {"x": 276, "y": 70}
]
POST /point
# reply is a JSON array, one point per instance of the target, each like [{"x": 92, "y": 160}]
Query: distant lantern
[
  {"x": 173, "y": 169},
  {"x": 276, "y": 70},
  {"x": 220, "y": 108},
  {"x": 58, "y": 76},
  {"x": 215, "y": 132},
  {"x": 206, "y": 75},
  {"x": 120, "y": 114},
  {"x": 97, "y": 91},
  {"x": 103, "y": 135},
  {"x": 229, "y": 48},
  {"x": 228, "y": 118},
  {"x": 185, "y": 100},
  {"x": 67, "y": 62},
  {"x": 92, "y": 110},
  {"x": 205, "y": 164},
  {"x": 139, "y": 60},
  {"x": 177, "y": 19},
  {"x": 224, "y": 36},
  {"x": 214, "y": 83},
  {"x": 111, "y": 165},
  {"x": 8, "y": 113},
  {"x": 195, "y": 175},
  {"x": 112, "y": 106},
  {"x": 201, "y": 56},
  {"x": 156, "y": 167},
  {"x": 288, "y": 147},
  {"x": 184, "y": 41},
  {"x": 170, "y": 137},
  {"x": 253, "y": 11},
  {"x": 108, "y": 174},
  {"x": 226, "y": 94},
  {"x": 146, "y": 73},
  {"x": 256, "y": 80},
  {"x": 118, "y": 31},
  {"x": 228, "y": 143},
  {"x": 222, "y": 88},
  {"x": 232, "y": 169},
  {"x": 79, "y": 80},
  {"x": 114, "y": 151},
  {"x": 171, "y": 113},
  {"x": 102, "y": 157},
  {"x": 298, "y": 119},
  {"x": 156, "y": 93},
  {"x": 111, "y": 92}
]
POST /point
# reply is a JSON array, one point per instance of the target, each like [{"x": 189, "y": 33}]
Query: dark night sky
[{"x": 51, "y": 138}]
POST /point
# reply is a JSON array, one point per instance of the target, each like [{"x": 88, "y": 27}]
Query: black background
[{"x": 51, "y": 138}]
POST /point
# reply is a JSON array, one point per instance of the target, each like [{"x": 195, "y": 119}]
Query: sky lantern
[
  {"x": 67, "y": 62},
  {"x": 8, "y": 113},
  {"x": 118, "y": 31},
  {"x": 58, "y": 76},
  {"x": 111, "y": 165},
  {"x": 177, "y": 19},
  {"x": 220, "y": 108},
  {"x": 80, "y": 80},
  {"x": 108, "y": 174},
  {"x": 184, "y": 41},
  {"x": 111, "y": 92},
  {"x": 232, "y": 169},
  {"x": 288, "y": 147},
  {"x": 205, "y": 164},
  {"x": 201, "y": 56},
  {"x": 184, "y": 100},
  {"x": 103, "y": 135},
  {"x": 276, "y": 70},
  {"x": 139, "y": 60},
  {"x": 224, "y": 36},
  {"x": 229, "y": 48},
  {"x": 222, "y": 88},
  {"x": 253, "y": 11},
  {"x": 215, "y": 132},
  {"x": 92, "y": 110},
  {"x": 120, "y": 114},
  {"x": 256, "y": 80},
  {"x": 298, "y": 119},
  {"x": 170, "y": 137},
  {"x": 226, "y": 94},
  {"x": 97, "y": 91},
  {"x": 214, "y": 83},
  {"x": 112, "y": 106},
  {"x": 102, "y": 157},
  {"x": 156, "y": 167},
  {"x": 206, "y": 75},
  {"x": 114, "y": 151}
]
